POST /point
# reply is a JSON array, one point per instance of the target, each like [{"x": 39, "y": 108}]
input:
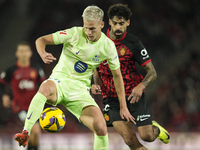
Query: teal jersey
[{"x": 80, "y": 56}]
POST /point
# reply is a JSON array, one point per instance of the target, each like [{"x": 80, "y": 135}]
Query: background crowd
[{"x": 169, "y": 29}]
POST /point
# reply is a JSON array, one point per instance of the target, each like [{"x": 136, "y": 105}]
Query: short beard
[{"x": 118, "y": 36}]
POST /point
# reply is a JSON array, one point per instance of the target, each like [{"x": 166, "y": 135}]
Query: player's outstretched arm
[
  {"x": 41, "y": 45},
  {"x": 119, "y": 86},
  {"x": 149, "y": 78},
  {"x": 151, "y": 74}
]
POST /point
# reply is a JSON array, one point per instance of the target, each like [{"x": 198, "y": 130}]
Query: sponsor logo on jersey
[
  {"x": 143, "y": 117},
  {"x": 30, "y": 116},
  {"x": 63, "y": 33},
  {"x": 122, "y": 51},
  {"x": 78, "y": 52},
  {"x": 26, "y": 84},
  {"x": 144, "y": 54},
  {"x": 80, "y": 67},
  {"x": 96, "y": 58}
]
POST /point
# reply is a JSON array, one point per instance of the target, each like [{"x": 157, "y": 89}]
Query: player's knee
[
  {"x": 44, "y": 90},
  {"x": 147, "y": 137},
  {"x": 100, "y": 128},
  {"x": 47, "y": 88}
]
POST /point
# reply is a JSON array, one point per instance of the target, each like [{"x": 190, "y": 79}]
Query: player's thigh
[
  {"x": 92, "y": 117},
  {"x": 49, "y": 89},
  {"x": 126, "y": 130}
]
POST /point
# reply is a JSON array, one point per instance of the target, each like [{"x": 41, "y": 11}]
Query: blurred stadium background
[{"x": 169, "y": 29}]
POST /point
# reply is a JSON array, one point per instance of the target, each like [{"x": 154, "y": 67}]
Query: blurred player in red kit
[
  {"x": 24, "y": 79},
  {"x": 130, "y": 50}
]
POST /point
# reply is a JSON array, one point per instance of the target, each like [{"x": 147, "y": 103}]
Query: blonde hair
[{"x": 92, "y": 13}]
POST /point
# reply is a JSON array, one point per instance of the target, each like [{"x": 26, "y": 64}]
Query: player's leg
[
  {"x": 46, "y": 91},
  {"x": 126, "y": 130},
  {"x": 34, "y": 137},
  {"x": 92, "y": 117},
  {"x": 148, "y": 133}
]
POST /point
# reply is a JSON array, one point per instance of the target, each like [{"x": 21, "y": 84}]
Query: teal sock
[
  {"x": 34, "y": 111},
  {"x": 100, "y": 142}
]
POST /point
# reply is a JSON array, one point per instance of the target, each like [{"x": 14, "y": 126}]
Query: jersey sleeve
[
  {"x": 112, "y": 56},
  {"x": 65, "y": 36},
  {"x": 140, "y": 54}
]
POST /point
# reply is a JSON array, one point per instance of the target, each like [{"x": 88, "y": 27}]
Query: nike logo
[
  {"x": 168, "y": 137},
  {"x": 77, "y": 52},
  {"x": 142, "y": 119},
  {"x": 30, "y": 116}
]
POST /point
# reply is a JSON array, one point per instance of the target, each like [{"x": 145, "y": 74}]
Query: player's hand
[
  {"x": 136, "y": 93},
  {"x": 96, "y": 89},
  {"x": 125, "y": 114},
  {"x": 6, "y": 101},
  {"x": 47, "y": 58}
]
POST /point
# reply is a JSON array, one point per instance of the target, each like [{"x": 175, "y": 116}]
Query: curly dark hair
[{"x": 119, "y": 10}]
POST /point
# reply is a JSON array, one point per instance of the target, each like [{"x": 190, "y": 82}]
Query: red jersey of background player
[
  {"x": 130, "y": 50},
  {"x": 24, "y": 84}
]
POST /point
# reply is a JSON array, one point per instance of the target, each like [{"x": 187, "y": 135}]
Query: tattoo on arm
[{"x": 151, "y": 74}]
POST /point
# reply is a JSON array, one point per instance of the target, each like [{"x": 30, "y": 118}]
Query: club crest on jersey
[
  {"x": 96, "y": 58},
  {"x": 80, "y": 67},
  {"x": 106, "y": 117},
  {"x": 33, "y": 74},
  {"x": 63, "y": 33},
  {"x": 122, "y": 51}
]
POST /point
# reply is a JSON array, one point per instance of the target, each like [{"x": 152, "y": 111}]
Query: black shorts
[{"x": 140, "y": 111}]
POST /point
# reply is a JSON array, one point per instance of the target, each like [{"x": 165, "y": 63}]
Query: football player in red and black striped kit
[
  {"x": 130, "y": 50},
  {"x": 24, "y": 79}
]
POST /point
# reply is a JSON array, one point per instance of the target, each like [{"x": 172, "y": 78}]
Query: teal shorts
[{"x": 73, "y": 94}]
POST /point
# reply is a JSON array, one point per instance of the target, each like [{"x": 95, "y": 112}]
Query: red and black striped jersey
[
  {"x": 24, "y": 83},
  {"x": 130, "y": 50}
]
